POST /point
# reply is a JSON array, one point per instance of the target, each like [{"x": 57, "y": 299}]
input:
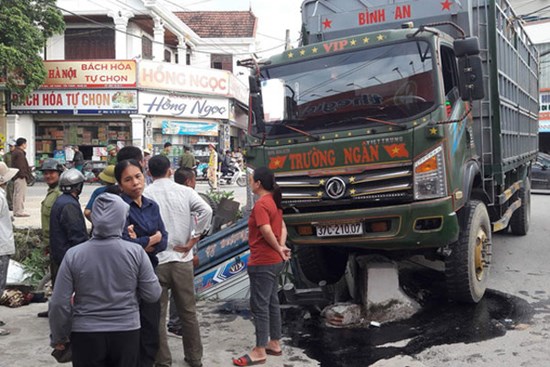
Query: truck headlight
[{"x": 429, "y": 176}]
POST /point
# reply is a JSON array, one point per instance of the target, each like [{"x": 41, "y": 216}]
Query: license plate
[{"x": 345, "y": 229}]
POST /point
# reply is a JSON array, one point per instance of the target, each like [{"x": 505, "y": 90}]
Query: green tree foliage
[{"x": 25, "y": 25}]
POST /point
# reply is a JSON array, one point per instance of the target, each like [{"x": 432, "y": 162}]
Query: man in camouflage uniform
[{"x": 51, "y": 169}]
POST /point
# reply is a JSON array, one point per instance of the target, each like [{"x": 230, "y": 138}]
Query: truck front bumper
[{"x": 425, "y": 224}]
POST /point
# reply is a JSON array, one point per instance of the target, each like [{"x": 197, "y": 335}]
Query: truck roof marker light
[{"x": 428, "y": 166}]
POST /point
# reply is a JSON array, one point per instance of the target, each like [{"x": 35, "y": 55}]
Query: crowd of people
[{"x": 112, "y": 287}]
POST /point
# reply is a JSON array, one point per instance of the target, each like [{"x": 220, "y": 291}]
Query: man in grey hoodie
[{"x": 107, "y": 276}]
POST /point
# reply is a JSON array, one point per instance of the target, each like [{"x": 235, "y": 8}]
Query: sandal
[
  {"x": 272, "y": 352},
  {"x": 247, "y": 361}
]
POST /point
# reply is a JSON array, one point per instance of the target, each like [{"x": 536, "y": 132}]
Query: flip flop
[
  {"x": 247, "y": 361},
  {"x": 272, "y": 352}
]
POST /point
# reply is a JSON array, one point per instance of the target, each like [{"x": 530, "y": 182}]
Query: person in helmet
[
  {"x": 111, "y": 154},
  {"x": 51, "y": 170},
  {"x": 67, "y": 225}
]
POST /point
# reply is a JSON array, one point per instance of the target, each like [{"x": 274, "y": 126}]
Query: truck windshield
[{"x": 387, "y": 85}]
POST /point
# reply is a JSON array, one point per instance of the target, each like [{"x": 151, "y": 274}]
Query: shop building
[{"x": 95, "y": 94}]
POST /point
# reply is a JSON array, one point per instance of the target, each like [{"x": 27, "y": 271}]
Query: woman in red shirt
[{"x": 268, "y": 252}]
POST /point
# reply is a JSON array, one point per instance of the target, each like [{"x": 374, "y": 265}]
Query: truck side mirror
[
  {"x": 256, "y": 112},
  {"x": 256, "y": 108},
  {"x": 466, "y": 46},
  {"x": 253, "y": 84},
  {"x": 470, "y": 78}
]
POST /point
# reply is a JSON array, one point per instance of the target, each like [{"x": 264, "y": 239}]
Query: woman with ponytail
[{"x": 268, "y": 252}]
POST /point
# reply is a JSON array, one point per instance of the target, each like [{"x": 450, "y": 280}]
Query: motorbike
[
  {"x": 233, "y": 175},
  {"x": 201, "y": 171}
]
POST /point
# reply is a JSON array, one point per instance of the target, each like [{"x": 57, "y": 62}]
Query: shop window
[
  {"x": 56, "y": 136},
  {"x": 222, "y": 62},
  {"x": 198, "y": 143},
  {"x": 91, "y": 43}
]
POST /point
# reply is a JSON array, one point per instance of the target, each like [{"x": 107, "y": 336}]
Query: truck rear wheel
[
  {"x": 519, "y": 223},
  {"x": 321, "y": 263},
  {"x": 467, "y": 267}
]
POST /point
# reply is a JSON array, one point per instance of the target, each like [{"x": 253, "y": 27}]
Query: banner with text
[
  {"x": 182, "y": 78},
  {"x": 90, "y": 74},
  {"x": 189, "y": 128},
  {"x": 183, "y": 106},
  {"x": 78, "y": 102}
]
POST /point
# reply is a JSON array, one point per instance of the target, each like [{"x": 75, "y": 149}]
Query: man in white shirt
[{"x": 186, "y": 216}]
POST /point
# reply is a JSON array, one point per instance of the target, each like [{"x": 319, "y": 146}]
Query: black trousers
[
  {"x": 149, "y": 316},
  {"x": 106, "y": 349}
]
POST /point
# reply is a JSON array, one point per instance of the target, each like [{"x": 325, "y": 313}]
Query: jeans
[{"x": 264, "y": 302}]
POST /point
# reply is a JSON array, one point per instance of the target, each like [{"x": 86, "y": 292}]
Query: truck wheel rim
[{"x": 481, "y": 251}]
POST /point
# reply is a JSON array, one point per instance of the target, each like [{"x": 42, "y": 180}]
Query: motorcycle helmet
[
  {"x": 71, "y": 181},
  {"x": 51, "y": 164}
]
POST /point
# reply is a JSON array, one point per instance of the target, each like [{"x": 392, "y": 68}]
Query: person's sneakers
[
  {"x": 4, "y": 332},
  {"x": 176, "y": 331},
  {"x": 43, "y": 314}
]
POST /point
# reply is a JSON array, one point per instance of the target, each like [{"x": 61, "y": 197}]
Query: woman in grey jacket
[{"x": 107, "y": 276}]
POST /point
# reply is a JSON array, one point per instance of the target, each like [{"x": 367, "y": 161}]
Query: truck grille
[{"x": 369, "y": 188}]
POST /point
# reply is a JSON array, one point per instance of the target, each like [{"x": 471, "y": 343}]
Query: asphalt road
[{"x": 511, "y": 327}]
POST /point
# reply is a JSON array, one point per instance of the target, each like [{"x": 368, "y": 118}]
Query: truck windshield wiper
[
  {"x": 293, "y": 128},
  {"x": 351, "y": 119}
]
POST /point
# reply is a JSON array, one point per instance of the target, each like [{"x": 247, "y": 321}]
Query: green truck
[{"x": 400, "y": 129}]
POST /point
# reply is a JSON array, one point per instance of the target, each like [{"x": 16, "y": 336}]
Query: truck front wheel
[
  {"x": 467, "y": 266},
  {"x": 519, "y": 223},
  {"x": 321, "y": 263}
]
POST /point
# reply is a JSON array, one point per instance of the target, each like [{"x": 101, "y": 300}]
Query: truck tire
[
  {"x": 519, "y": 223},
  {"x": 321, "y": 263},
  {"x": 210, "y": 203},
  {"x": 467, "y": 266}
]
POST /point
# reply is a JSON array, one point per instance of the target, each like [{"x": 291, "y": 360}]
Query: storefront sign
[
  {"x": 181, "y": 78},
  {"x": 189, "y": 128},
  {"x": 78, "y": 102},
  {"x": 90, "y": 74},
  {"x": 183, "y": 106}
]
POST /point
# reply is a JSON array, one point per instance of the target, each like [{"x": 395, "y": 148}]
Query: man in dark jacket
[
  {"x": 19, "y": 161},
  {"x": 78, "y": 159},
  {"x": 67, "y": 225}
]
